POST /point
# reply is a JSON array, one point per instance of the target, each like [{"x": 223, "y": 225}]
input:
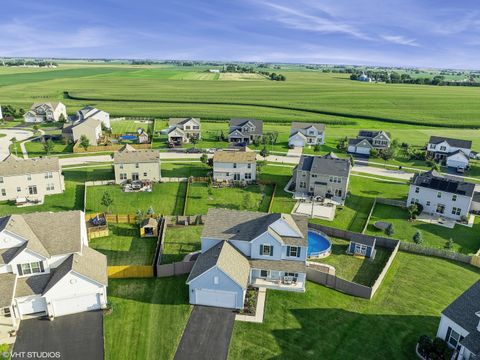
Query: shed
[
  {"x": 362, "y": 245},
  {"x": 149, "y": 228}
]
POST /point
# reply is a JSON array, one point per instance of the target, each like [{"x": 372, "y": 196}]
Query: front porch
[
  {"x": 276, "y": 279},
  {"x": 279, "y": 284}
]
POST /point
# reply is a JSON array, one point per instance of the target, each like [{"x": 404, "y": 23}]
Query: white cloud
[{"x": 399, "y": 39}]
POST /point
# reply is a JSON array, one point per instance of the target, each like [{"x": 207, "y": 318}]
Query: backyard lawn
[
  {"x": 466, "y": 240},
  {"x": 184, "y": 169},
  {"x": 253, "y": 198},
  {"x": 124, "y": 246},
  {"x": 165, "y": 198},
  {"x": 130, "y": 125},
  {"x": 35, "y": 149},
  {"x": 348, "y": 267},
  {"x": 325, "y": 324},
  {"x": 148, "y": 318},
  {"x": 283, "y": 201},
  {"x": 180, "y": 241}
]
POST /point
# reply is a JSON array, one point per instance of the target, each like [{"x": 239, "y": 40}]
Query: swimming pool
[
  {"x": 128, "y": 137},
  {"x": 318, "y": 244}
]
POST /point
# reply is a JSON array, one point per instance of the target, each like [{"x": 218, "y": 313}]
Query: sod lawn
[
  {"x": 184, "y": 168},
  {"x": 165, "y": 198},
  {"x": 325, "y": 324},
  {"x": 201, "y": 197},
  {"x": 281, "y": 175},
  {"x": 148, "y": 318},
  {"x": 124, "y": 246},
  {"x": 180, "y": 241},
  {"x": 466, "y": 240},
  {"x": 351, "y": 268}
]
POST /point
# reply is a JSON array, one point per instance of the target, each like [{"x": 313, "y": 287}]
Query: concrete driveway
[
  {"x": 207, "y": 334},
  {"x": 19, "y": 134},
  {"x": 72, "y": 337}
]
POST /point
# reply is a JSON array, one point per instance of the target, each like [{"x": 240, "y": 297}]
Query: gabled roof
[
  {"x": 13, "y": 165},
  {"x": 302, "y": 125},
  {"x": 177, "y": 130},
  {"x": 458, "y": 152},
  {"x": 31, "y": 285},
  {"x": 465, "y": 144},
  {"x": 433, "y": 180},
  {"x": 181, "y": 121},
  {"x": 51, "y": 104},
  {"x": 373, "y": 133},
  {"x": 240, "y": 157},
  {"x": 356, "y": 141},
  {"x": 239, "y": 122},
  {"x": 329, "y": 164},
  {"x": 227, "y": 258},
  {"x": 88, "y": 123},
  {"x": 297, "y": 133},
  {"x": 364, "y": 240},
  {"x": 127, "y": 156}
]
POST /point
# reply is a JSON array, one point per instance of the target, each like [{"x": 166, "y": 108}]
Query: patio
[
  {"x": 436, "y": 220},
  {"x": 325, "y": 210},
  {"x": 278, "y": 284}
]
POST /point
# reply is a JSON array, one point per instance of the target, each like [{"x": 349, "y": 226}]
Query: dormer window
[
  {"x": 266, "y": 250},
  {"x": 443, "y": 148}
]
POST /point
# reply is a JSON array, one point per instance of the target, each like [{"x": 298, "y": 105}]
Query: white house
[
  {"x": 48, "y": 111},
  {"x": 460, "y": 324},
  {"x": 241, "y": 249},
  {"x": 454, "y": 153},
  {"x": 47, "y": 268},
  {"x": 234, "y": 165},
  {"x": 441, "y": 196},
  {"x": 181, "y": 130},
  {"x": 89, "y": 122},
  {"x": 302, "y": 134},
  {"x": 367, "y": 140}
]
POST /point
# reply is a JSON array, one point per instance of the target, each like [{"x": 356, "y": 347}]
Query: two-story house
[
  {"x": 132, "y": 165},
  {"x": 241, "y": 249},
  {"x": 302, "y": 134},
  {"x": 367, "y": 140},
  {"x": 322, "y": 176},
  {"x": 43, "y": 112},
  {"x": 440, "y": 195},
  {"x": 454, "y": 153},
  {"x": 460, "y": 324},
  {"x": 245, "y": 130},
  {"x": 88, "y": 121},
  {"x": 47, "y": 268},
  {"x": 181, "y": 130},
  {"x": 234, "y": 165},
  {"x": 30, "y": 179}
]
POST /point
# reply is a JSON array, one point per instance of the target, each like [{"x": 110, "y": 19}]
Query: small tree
[
  {"x": 373, "y": 152},
  {"x": 317, "y": 148},
  {"x": 35, "y": 128},
  {"x": 264, "y": 152},
  {"x": 204, "y": 158},
  {"x": 84, "y": 142},
  {"x": 194, "y": 141},
  {"x": 150, "y": 211},
  {"x": 386, "y": 155},
  {"x": 139, "y": 217},
  {"x": 449, "y": 244},
  {"x": 412, "y": 210},
  {"x": 390, "y": 230},
  {"x": 14, "y": 143},
  {"x": 48, "y": 146},
  {"x": 417, "y": 238},
  {"x": 352, "y": 160},
  {"x": 107, "y": 201},
  {"x": 62, "y": 118}
]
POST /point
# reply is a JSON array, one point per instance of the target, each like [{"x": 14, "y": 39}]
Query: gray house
[
  {"x": 181, "y": 130},
  {"x": 241, "y": 249},
  {"x": 302, "y": 134},
  {"x": 322, "y": 176},
  {"x": 245, "y": 130},
  {"x": 367, "y": 140},
  {"x": 460, "y": 324}
]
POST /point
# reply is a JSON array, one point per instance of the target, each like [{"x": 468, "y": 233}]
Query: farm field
[{"x": 319, "y": 323}]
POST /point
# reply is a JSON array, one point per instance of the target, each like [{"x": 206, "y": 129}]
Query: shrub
[
  {"x": 424, "y": 345},
  {"x": 417, "y": 238},
  {"x": 390, "y": 230},
  {"x": 464, "y": 218},
  {"x": 449, "y": 244}
]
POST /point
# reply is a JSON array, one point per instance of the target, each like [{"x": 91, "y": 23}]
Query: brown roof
[
  {"x": 241, "y": 157},
  {"x": 128, "y": 156},
  {"x": 31, "y": 285},
  {"x": 7, "y": 287},
  {"x": 52, "y": 104},
  {"x": 13, "y": 165},
  {"x": 278, "y": 265}
]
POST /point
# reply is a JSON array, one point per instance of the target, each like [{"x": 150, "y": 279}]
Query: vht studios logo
[{"x": 32, "y": 355}]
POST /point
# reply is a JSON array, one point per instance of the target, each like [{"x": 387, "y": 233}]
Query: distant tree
[
  {"x": 390, "y": 230},
  {"x": 21, "y": 112},
  {"x": 48, "y": 146},
  {"x": 204, "y": 158},
  {"x": 63, "y": 119},
  {"x": 417, "y": 238},
  {"x": 194, "y": 141},
  {"x": 264, "y": 152},
  {"x": 107, "y": 201},
  {"x": 84, "y": 142},
  {"x": 386, "y": 155},
  {"x": 342, "y": 144}
]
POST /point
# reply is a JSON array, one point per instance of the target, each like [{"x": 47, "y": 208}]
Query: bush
[
  {"x": 424, "y": 345},
  {"x": 449, "y": 244},
  {"x": 417, "y": 238},
  {"x": 435, "y": 349},
  {"x": 390, "y": 230}
]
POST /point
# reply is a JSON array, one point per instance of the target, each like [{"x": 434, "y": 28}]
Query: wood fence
[
  {"x": 110, "y": 148},
  {"x": 270, "y": 204},
  {"x": 130, "y": 271}
]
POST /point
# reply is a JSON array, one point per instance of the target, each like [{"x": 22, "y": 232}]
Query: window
[
  {"x": 266, "y": 250},
  {"x": 123, "y": 176},
  {"x": 216, "y": 280},
  {"x": 439, "y": 194},
  {"x": 264, "y": 273},
  {"x": 417, "y": 190},
  {"x": 19, "y": 189},
  {"x": 303, "y": 184},
  {"x": 145, "y": 174},
  {"x": 137, "y": 165},
  {"x": 4, "y": 193},
  {"x": 29, "y": 177},
  {"x": 30, "y": 268},
  {"x": 453, "y": 338},
  {"x": 121, "y": 166},
  {"x": 432, "y": 146},
  {"x": 32, "y": 190},
  {"x": 234, "y": 165},
  {"x": 314, "y": 176},
  {"x": 249, "y": 166},
  {"x": 428, "y": 203},
  {"x": 248, "y": 176},
  {"x": 454, "y": 197},
  {"x": 1, "y": 179},
  {"x": 134, "y": 176},
  {"x": 293, "y": 251},
  {"x": 443, "y": 148},
  {"x": 50, "y": 187},
  {"x": 456, "y": 211},
  {"x": 338, "y": 192},
  {"x": 440, "y": 209},
  {"x": 293, "y": 275},
  {"x": 48, "y": 175},
  {"x": 361, "y": 249}
]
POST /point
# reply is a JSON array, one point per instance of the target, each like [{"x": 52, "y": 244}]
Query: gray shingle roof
[
  {"x": 303, "y": 125},
  {"x": 372, "y": 133},
  {"x": 7, "y": 287},
  {"x": 181, "y": 121},
  {"x": 462, "y": 311},
  {"x": 13, "y": 165},
  {"x": 466, "y": 144},
  {"x": 433, "y": 180},
  {"x": 325, "y": 165},
  {"x": 128, "y": 156},
  {"x": 31, "y": 285},
  {"x": 236, "y": 123},
  {"x": 363, "y": 239},
  {"x": 356, "y": 141}
]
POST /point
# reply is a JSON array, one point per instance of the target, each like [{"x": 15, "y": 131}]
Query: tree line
[{"x": 234, "y": 68}]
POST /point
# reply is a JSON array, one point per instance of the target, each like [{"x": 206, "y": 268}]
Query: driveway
[
  {"x": 72, "y": 337},
  {"x": 207, "y": 334},
  {"x": 19, "y": 134}
]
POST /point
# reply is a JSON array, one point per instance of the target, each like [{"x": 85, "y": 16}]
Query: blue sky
[{"x": 421, "y": 33}]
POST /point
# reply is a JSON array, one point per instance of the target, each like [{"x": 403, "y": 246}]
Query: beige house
[
  {"x": 231, "y": 165},
  {"x": 49, "y": 111},
  {"x": 181, "y": 130},
  {"x": 91, "y": 128},
  {"x": 131, "y": 165},
  {"x": 30, "y": 179}
]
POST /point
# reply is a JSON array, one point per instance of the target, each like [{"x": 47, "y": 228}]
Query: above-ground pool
[
  {"x": 318, "y": 244},
  {"x": 128, "y": 137}
]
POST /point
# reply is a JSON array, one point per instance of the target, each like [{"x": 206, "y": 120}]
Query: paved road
[
  {"x": 74, "y": 337},
  {"x": 207, "y": 334},
  {"x": 19, "y": 134}
]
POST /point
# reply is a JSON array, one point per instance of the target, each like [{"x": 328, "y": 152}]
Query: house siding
[
  {"x": 146, "y": 171},
  {"x": 223, "y": 171},
  {"x": 11, "y": 183}
]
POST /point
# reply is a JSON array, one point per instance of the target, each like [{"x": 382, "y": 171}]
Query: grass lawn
[
  {"x": 180, "y": 241},
  {"x": 129, "y": 126},
  {"x": 348, "y": 267},
  {"x": 184, "y": 169},
  {"x": 466, "y": 240},
  {"x": 73, "y": 196},
  {"x": 124, "y": 246},
  {"x": 282, "y": 202},
  {"x": 166, "y": 198},
  {"x": 325, "y": 324},
  {"x": 363, "y": 190},
  {"x": 148, "y": 318},
  {"x": 35, "y": 149},
  {"x": 253, "y": 197}
]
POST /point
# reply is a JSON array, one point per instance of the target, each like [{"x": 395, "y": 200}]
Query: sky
[{"x": 416, "y": 33}]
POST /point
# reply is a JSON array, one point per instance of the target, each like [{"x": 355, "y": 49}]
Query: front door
[{"x": 134, "y": 176}]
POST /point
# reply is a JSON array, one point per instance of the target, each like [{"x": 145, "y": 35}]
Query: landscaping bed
[
  {"x": 250, "y": 304},
  {"x": 180, "y": 241}
]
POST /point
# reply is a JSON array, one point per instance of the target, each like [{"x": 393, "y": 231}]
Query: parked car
[{"x": 193, "y": 151}]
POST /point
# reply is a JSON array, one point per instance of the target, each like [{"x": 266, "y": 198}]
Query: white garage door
[
  {"x": 76, "y": 304},
  {"x": 32, "y": 305},
  {"x": 217, "y": 298}
]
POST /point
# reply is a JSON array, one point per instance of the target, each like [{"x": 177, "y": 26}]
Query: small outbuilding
[
  {"x": 149, "y": 228},
  {"x": 362, "y": 246}
]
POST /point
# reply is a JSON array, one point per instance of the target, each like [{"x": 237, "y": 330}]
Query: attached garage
[
  {"x": 217, "y": 298},
  {"x": 31, "y": 305},
  {"x": 76, "y": 304}
]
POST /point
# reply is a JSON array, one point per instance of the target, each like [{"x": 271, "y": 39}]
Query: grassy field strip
[{"x": 383, "y": 178}]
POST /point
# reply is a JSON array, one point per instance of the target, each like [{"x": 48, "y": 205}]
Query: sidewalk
[{"x": 258, "y": 318}]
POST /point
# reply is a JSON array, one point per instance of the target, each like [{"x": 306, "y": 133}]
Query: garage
[
  {"x": 76, "y": 304},
  {"x": 218, "y": 298},
  {"x": 32, "y": 305}
]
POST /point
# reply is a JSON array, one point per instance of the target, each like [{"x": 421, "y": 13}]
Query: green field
[{"x": 180, "y": 241}]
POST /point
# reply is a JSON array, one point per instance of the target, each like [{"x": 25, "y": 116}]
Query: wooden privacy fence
[
  {"x": 270, "y": 204},
  {"x": 100, "y": 148},
  {"x": 130, "y": 271},
  {"x": 174, "y": 269}
]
